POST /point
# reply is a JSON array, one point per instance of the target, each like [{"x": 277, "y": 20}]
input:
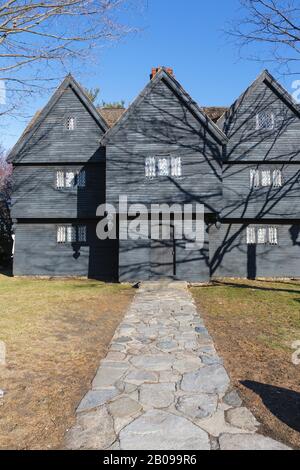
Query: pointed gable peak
[
  {"x": 69, "y": 81},
  {"x": 264, "y": 77},
  {"x": 166, "y": 75}
]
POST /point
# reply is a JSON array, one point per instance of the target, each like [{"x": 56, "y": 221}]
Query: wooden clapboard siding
[
  {"x": 260, "y": 203},
  {"x": 52, "y": 142},
  {"x": 35, "y": 194},
  {"x": 38, "y": 253},
  {"x": 230, "y": 256}
]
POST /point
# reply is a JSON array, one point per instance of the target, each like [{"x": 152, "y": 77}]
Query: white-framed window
[
  {"x": 251, "y": 236},
  {"x": 277, "y": 178},
  {"x": 150, "y": 167},
  {"x": 81, "y": 179},
  {"x": 71, "y": 234},
  {"x": 176, "y": 169},
  {"x": 261, "y": 235},
  {"x": 266, "y": 178},
  {"x": 265, "y": 120},
  {"x": 254, "y": 178},
  {"x": 61, "y": 234},
  {"x": 70, "y": 179},
  {"x": 71, "y": 123},
  {"x": 273, "y": 235},
  {"x": 60, "y": 179},
  {"x": 82, "y": 233},
  {"x": 163, "y": 166}
]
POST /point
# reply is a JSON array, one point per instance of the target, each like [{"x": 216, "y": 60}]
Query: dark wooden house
[{"x": 244, "y": 168}]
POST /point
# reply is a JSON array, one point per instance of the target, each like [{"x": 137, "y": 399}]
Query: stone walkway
[{"x": 162, "y": 385}]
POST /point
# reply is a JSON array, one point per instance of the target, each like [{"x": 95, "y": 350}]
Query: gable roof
[
  {"x": 39, "y": 116},
  {"x": 267, "y": 78},
  {"x": 183, "y": 96}
]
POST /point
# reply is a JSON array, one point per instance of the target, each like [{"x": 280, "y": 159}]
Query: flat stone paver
[{"x": 162, "y": 385}]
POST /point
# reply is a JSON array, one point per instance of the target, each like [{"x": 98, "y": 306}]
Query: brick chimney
[{"x": 155, "y": 70}]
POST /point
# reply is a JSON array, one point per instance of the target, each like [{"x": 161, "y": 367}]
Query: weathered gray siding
[
  {"x": 162, "y": 125},
  {"x": 135, "y": 261},
  {"x": 35, "y": 194},
  {"x": 53, "y": 143},
  {"x": 38, "y": 253},
  {"x": 230, "y": 256},
  {"x": 246, "y": 143},
  {"x": 240, "y": 201}
]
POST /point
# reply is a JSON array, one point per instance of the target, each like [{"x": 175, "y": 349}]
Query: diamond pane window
[
  {"x": 61, "y": 234},
  {"x": 261, "y": 235},
  {"x": 163, "y": 166},
  {"x": 254, "y": 179},
  {"x": 251, "y": 235},
  {"x": 277, "y": 178},
  {"x": 176, "y": 169},
  {"x": 70, "y": 179},
  {"x": 273, "y": 235},
  {"x": 60, "y": 179},
  {"x": 82, "y": 233},
  {"x": 150, "y": 167},
  {"x": 81, "y": 179},
  {"x": 266, "y": 178},
  {"x": 71, "y": 234},
  {"x": 71, "y": 123},
  {"x": 265, "y": 120}
]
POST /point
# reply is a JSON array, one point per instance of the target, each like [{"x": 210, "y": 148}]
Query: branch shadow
[{"x": 281, "y": 402}]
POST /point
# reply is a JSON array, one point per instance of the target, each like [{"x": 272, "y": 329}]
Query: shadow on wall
[
  {"x": 282, "y": 402},
  {"x": 251, "y": 261},
  {"x": 242, "y": 201}
]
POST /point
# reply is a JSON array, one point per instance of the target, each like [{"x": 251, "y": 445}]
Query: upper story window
[
  {"x": 262, "y": 235},
  {"x": 71, "y": 234},
  {"x": 254, "y": 178},
  {"x": 70, "y": 179},
  {"x": 176, "y": 168},
  {"x": 150, "y": 167},
  {"x": 71, "y": 123},
  {"x": 266, "y": 178},
  {"x": 277, "y": 178},
  {"x": 163, "y": 166},
  {"x": 265, "y": 120}
]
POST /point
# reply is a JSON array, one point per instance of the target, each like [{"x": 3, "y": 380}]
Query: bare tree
[
  {"x": 92, "y": 93},
  {"x": 40, "y": 40},
  {"x": 273, "y": 27},
  {"x": 5, "y": 220}
]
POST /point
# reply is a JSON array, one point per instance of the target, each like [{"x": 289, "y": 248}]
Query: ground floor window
[
  {"x": 71, "y": 234},
  {"x": 262, "y": 235}
]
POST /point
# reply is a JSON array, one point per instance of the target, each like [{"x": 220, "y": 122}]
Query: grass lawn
[
  {"x": 254, "y": 324},
  {"x": 56, "y": 332}
]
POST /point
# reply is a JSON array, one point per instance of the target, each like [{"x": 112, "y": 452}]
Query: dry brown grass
[
  {"x": 56, "y": 332},
  {"x": 254, "y": 325}
]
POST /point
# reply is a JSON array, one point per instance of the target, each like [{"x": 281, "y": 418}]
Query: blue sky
[{"x": 186, "y": 36}]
